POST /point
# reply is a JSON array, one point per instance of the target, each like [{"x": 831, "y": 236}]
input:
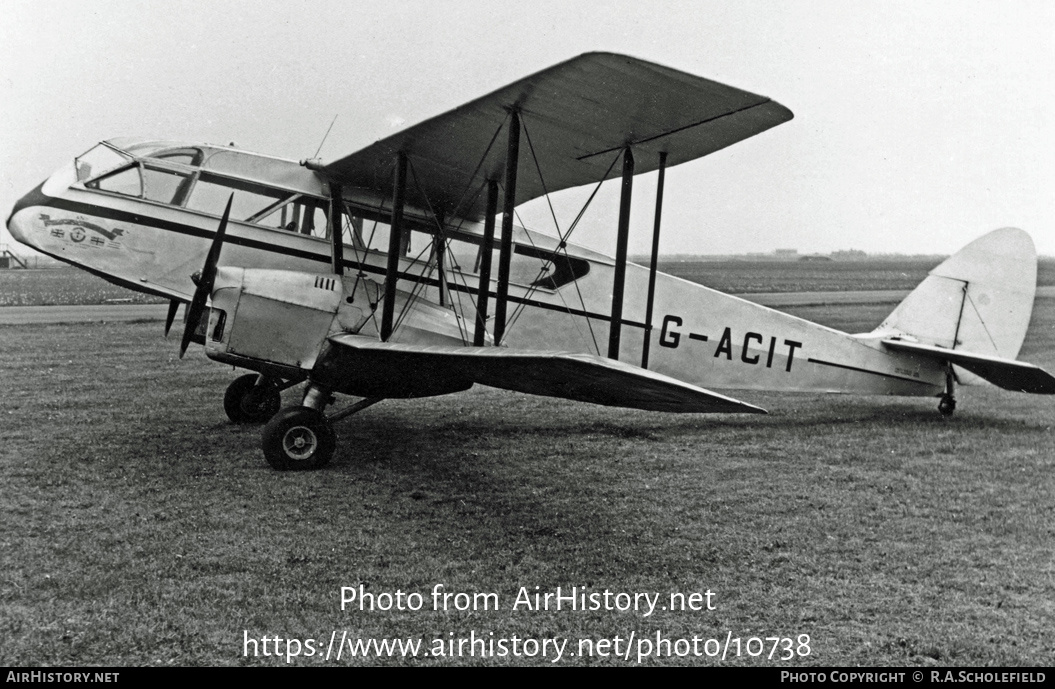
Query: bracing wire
[
  {"x": 442, "y": 236},
  {"x": 562, "y": 243},
  {"x": 575, "y": 321},
  {"x": 479, "y": 164}
]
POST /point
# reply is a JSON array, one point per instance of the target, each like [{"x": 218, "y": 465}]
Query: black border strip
[
  {"x": 874, "y": 373},
  {"x": 137, "y": 219}
]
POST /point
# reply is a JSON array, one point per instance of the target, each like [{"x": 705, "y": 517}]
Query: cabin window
[
  {"x": 374, "y": 234},
  {"x": 185, "y": 156},
  {"x": 127, "y": 182},
  {"x": 315, "y": 220},
  {"x": 528, "y": 266},
  {"x": 181, "y": 158},
  {"x": 298, "y": 213},
  {"x": 463, "y": 255},
  {"x": 353, "y": 231},
  {"x": 164, "y": 186},
  {"x": 210, "y": 195},
  {"x": 260, "y": 205},
  {"x": 523, "y": 270}
]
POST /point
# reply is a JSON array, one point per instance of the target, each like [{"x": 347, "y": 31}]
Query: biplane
[{"x": 399, "y": 271}]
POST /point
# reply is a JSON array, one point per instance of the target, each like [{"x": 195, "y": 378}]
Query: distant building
[
  {"x": 10, "y": 260},
  {"x": 850, "y": 255},
  {"x": 786, "y": 253}
]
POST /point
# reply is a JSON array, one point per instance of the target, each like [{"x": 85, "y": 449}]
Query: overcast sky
[{"x": 918, "y": 125}]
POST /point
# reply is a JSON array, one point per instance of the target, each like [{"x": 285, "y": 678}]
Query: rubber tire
[
  {"x": 240, "y": 409},
  {"x": 947, "y": 406},
  {"x": 298, "y": 438}
]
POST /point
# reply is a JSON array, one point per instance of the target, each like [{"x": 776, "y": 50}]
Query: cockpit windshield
[{"x": 99, "y": 159}]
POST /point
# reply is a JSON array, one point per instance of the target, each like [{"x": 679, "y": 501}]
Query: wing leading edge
[
  {"x": 413, "y": 370},
  {"x": 578, "y": 115}
]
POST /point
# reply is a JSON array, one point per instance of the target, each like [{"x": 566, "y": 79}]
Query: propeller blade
[
  {"x": 173, "y": 308},
  {"x": 208, "y": 273},
  {"x": 204, "y": 288}
]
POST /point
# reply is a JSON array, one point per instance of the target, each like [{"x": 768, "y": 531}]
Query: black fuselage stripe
[
  {"x": 865, "y": 370},
  {"x": 179, "y": 228}
]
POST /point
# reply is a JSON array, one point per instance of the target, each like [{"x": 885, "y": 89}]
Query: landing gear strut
[
  {"x": 252, "y": 398},
  {"x": 947, "y": 405},
  {"x": 303, "y": 437}
]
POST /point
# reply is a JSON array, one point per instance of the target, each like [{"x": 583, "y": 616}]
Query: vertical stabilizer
[{"x": 978, "y": 300}]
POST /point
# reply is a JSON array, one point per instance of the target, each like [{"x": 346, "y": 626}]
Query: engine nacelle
[
  {"x": 277, "y": 321},
  {"x": 276, "y": 318}
]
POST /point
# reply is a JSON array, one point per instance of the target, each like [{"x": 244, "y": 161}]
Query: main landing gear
[
  {"x": 252, "y": 398},
  {"x": 303, "y": 437},
  {"x": 298, "y": 438},
  {"x": 947, "y": 405}
]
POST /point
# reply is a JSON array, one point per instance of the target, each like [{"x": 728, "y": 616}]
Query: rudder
[{"x": 978, "y": 300}]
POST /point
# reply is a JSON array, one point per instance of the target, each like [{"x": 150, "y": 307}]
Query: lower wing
[{"x": 582, "y": 377}]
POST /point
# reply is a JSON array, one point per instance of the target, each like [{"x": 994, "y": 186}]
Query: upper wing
[
  {"x": 577, "y": 115},
  {"x": 413, "y": 370},
  {"x": 1006, "y": 373}
]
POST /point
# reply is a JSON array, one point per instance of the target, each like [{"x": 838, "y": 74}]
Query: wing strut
[
  {"x": 486, "y": 249},
  {"x": 395, "y": 236},
  {"x": 508, "y": 207},
  {"x": 439, "y": 249},
  {"x": 620, "y": 255},
  {"x": 652, "y": 263},
  {"x": 336, "y": 225}
]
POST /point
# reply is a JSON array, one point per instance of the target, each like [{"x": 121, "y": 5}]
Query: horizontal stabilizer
[
  {"x": 1006, "y": 373},
  {"x": 581, "y": 377}
]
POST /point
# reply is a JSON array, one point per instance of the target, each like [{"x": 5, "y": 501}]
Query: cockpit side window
[
  {"x": 126, "y": 181},
  {"x": 145, "y": 182}
]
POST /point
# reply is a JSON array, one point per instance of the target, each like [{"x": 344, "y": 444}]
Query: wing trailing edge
[
  {"x": 581, "y": 377},
  {"x": 1005, "y": 373}
]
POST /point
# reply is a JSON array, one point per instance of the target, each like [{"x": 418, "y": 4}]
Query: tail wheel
[
  {"x": 948, "y": 402},
  {"x": 246, "y": 402},
  {"x": 298, "y": 438}
]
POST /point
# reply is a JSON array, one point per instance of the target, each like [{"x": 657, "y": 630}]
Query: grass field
[
  {"x": 139, "y": 527},
  {"x": 744, "y": 277},
  {"x": 63, "y": 285}
]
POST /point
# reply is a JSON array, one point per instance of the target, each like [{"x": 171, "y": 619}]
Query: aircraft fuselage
[{"x": 145, "y": 218}]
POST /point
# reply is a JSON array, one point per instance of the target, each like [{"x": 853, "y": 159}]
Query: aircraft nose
[{"x": 17, "y": 225}]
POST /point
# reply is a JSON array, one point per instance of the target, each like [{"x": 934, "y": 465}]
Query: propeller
[
  {"x": 173, "y": 307},
  {"x": 204, "y": 282}
]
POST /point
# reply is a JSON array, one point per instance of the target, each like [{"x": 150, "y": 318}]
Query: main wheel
[
  {"x": 947, "y": 406},
  {"x": 244, "y": 402},
  {"x": 298, "y": 438}
]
